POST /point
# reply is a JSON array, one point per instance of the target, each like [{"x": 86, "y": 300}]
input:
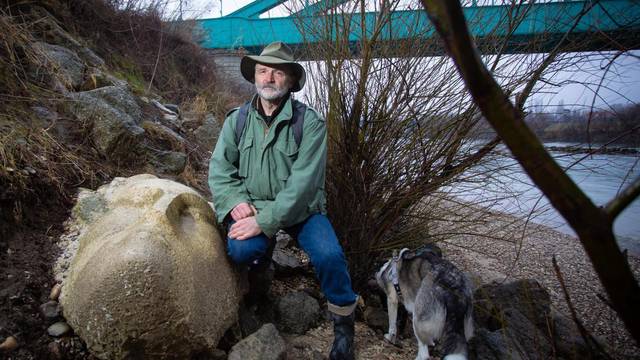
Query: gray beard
[{"x": 271, "y": 95}]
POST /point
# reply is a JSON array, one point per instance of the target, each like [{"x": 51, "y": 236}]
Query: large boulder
[
  {"x": 47, "y": 27},
  {"x": 60, "y": 67},
  {"x": 516, "y": 318},
  {"x": 150, "y": 278},
  {"x": 113, "y": 117}
]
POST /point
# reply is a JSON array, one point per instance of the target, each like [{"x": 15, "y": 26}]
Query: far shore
[
  {"x": 495, "y": 246},
  {"x": 595, "y": 149}
]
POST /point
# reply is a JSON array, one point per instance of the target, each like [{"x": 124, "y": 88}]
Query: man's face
[{"x": 272, "y": 81}]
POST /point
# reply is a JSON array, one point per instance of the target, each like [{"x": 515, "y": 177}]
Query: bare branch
[
  {"x": 617, "y": 205},
  {"x": 590, "y": 222}
]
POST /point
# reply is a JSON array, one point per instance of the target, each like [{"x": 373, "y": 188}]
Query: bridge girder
[{"x": 540, "y": 29}]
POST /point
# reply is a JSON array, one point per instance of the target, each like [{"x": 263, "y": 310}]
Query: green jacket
[{"x": 267, "y": 169}]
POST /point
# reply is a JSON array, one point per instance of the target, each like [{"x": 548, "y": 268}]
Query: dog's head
[
  {"x": 389, "y": 270},
  {"x": 426, "y": 250}
]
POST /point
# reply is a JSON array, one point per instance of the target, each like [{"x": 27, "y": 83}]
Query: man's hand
[
  {"x": 244, "y": 228},
  {"x": 242, "y": 210}
]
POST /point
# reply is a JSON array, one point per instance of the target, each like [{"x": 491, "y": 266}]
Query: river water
[{"x": 601, "y": 177}]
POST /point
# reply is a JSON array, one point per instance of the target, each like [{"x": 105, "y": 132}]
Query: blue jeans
[{"x": 316, "y": 237}]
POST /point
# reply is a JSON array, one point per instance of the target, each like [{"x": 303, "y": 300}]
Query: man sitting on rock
[{"x": 267, "y": 173}]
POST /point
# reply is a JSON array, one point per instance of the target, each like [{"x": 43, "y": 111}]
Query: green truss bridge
[{"x": 533, "y": 27}]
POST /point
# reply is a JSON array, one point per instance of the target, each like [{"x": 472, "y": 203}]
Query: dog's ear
[
  {"x": 434, "y": 249},
  {"x": 426, "y": 249},
  {"x": 406, "y": 254}
]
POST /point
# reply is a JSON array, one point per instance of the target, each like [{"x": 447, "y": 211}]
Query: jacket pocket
[
  {"x": 245, "y": 157},
  {"x": 285, "y": 155}
]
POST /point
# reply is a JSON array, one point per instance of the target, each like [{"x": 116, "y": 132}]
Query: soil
[{"x": 26, "y": 259}]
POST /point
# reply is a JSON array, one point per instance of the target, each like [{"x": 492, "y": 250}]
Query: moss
[{"x": 126, "y": 69}]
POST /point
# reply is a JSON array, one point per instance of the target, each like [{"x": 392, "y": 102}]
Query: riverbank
[
  {"x": 501, "y": 247},
  {"x": 603, "y": 150}
]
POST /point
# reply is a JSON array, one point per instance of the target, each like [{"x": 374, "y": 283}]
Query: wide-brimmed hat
[{"x": 276, "y": 53}]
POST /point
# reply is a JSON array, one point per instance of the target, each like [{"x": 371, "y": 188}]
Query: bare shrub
[{"x": 403, "y": 132}]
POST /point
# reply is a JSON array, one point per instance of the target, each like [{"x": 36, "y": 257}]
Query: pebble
[
  {"x": 58, "y": 329},
  {"x": 9, "y": 344},
  {"x": 55, "y": 350},
  {"x": 50, "y": 310},
  {"x": 55, "y": 292}
]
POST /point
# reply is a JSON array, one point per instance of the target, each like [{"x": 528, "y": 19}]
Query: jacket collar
[{"x": 285, "y": 109}]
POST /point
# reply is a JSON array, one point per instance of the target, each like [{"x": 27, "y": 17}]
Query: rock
[
  {"x": 60, "y": 64},
  {"x": 303, "y": 348},
  {"x": 207, "y": 134},
  {"x": 173, "y": 107},
  {"x": 174, "y": 140},
  {"x": 217, "y": 354},
  {"x": 526, "y": 296},
  {"x": 96, "y": 78},
  {"x": 58, "y": 329},
  {"x": 166, "y": 148},
  {"x": 50, "y": 310},
  {"x": 171, "y": 117},
  {"x": 520, "y": 311},
  {"x": 46, "y": 115},
  {"x": 264, "y": 344},
  {"x": 113, "y": 116},
  {"x": 170, "y": 162},
  {"x": 249, "y": 321},
  {"x": 376, "y": 318},
  {"x": 286, "y": 263},
  {"x": 283, "y": 240},
  {"x": 89, "y": 207},
  {"x": 529, "y": 339},
  {"x": 46, "y": 24},
  {"x": 150, "y": 275},
  {"x": 55, "y": 351},
  {"x": 488, "y": 345},
  {"x": 55, "y": 292},
  {"x": 568, "y": 341},
  {"x": 297, "y": 312},
  {"x": 9, "y": 344},
  {"x": 164, "y": 108}
]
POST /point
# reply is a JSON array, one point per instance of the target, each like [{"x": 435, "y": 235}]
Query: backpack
[{"x": 297, "y": 120}]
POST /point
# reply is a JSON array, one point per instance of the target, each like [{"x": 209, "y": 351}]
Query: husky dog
[{"x": 438, "y": 296}]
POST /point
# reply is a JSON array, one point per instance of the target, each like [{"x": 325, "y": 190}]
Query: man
[{"x": 264, "y": 181}]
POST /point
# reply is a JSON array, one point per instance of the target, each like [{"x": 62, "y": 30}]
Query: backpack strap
[
  {"x": 297, "y": 120},
  {"x": 241, "y": 120}
]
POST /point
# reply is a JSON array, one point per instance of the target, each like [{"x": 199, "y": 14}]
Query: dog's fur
[{"x": 437, "y": 294}]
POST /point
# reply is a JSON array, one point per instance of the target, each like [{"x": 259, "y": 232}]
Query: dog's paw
[{"x": 392, "y": 339}]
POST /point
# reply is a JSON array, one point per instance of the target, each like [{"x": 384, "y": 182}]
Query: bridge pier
[{"x": 228, "y": 69}]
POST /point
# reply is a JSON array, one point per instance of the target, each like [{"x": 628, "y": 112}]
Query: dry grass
[{"x": 42, "y": 166}]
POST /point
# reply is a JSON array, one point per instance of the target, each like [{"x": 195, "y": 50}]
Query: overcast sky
[{"x": 622, "y": 85}]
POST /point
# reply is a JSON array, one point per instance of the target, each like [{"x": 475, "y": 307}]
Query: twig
[
  {"x": 155, "y": 66},
  {"x": 586, "y": 336},
  {"x": 620, "y": 202}
]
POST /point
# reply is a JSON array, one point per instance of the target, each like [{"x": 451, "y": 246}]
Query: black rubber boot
[
  {"x": 343, "y": 332},
  {"x": 260, "y": 277}
]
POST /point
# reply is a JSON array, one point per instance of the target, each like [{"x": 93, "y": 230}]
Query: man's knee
[
  {"x": 331, "y": 258},
  {"x": 242, "y": 251}
]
